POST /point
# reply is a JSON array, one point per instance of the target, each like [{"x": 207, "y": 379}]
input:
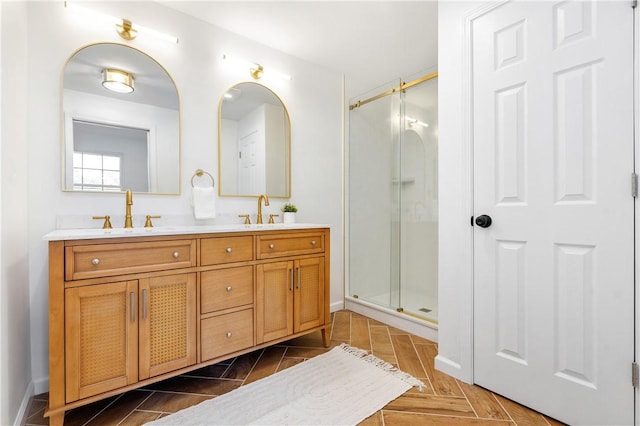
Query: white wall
[
  {"x": 15, "y": 356},
  {"x": 313, "y": 98},
  {"x": 455, "y": 297}
]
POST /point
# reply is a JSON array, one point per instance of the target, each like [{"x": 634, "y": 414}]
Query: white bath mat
[{"x": 341, "y": 387}]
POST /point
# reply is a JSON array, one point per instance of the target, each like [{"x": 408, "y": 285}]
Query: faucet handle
[
  {"x": 147, "y": 223},
  {"x": 271, "y": 216},
  {"x": 247, "y": 219},
  {"x": 107, "y": 221}
]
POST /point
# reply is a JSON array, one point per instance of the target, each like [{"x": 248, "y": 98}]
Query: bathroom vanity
[{"x": 132, "y": 307}]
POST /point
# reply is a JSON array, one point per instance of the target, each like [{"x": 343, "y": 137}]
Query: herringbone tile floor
[{"x": 445, "y": 401}]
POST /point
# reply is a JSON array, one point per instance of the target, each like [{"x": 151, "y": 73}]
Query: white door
[
  {"x": 553, "y": 157},
  {"x": 247, "y": 161}
]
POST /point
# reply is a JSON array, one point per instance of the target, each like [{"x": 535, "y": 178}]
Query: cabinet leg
[
  {"x": 56, "y": 419},
  {"x": 326, "y": 337}
]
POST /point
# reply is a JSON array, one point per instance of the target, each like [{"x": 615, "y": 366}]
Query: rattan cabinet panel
[
  {"x": 101, "y": 338},
  {"x": 167, "y": 324}
]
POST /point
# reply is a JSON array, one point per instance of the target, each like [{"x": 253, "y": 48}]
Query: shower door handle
[{"x": 483, "y": 221}]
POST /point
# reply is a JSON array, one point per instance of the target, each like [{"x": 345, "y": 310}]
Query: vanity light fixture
[
  {"x": 414, "y": 121},
  {"x": 117, "y": 80},
  {"x": 256, "y": 70},
  {"x": 125, "y": 28}
]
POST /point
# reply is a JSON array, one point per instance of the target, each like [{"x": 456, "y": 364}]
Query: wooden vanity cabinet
[
  {"x": 118, "y": 333},
  {"x": 291, "y": 293},
  {"x": 127, "y": 312},
  {"x": 290, "y": 297}
]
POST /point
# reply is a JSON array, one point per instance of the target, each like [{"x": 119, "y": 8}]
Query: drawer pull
[
  {"x": 95, "y": 262},
  {"x": 313, "y": 242},
  {"x": 132, "y": 306},
  {"x": 229, "y": 288},
  {"x": 271, "y": 246},
  {"x": 228, "y": 334},
  {"x": 144, "y": 304},
  {"x": 291, "y": 287},
  {"x": 176, "y": 255},
  {"x": 229, "y": 250}
]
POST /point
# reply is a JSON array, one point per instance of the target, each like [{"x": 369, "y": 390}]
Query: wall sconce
[
  {"x": 256, "y": 70},
  {"x": 117, "y": 80},
  {"x": 125, "y": 28}
]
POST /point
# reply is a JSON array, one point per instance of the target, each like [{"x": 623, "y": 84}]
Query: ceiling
[
  {"x": 371, "y": 42},
  {"x": 153, "y": 85}
]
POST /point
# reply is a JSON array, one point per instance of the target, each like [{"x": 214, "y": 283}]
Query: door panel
[
  {"x": 167, "y": 315},
  {"x": 101, "y": 338},
  {"x": 274, "y": 304},
  {"x": 309, "y": 294},
  {"x": 553, "y": 153}
]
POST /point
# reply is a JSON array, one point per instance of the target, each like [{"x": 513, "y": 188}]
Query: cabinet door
[
  {"x": 274, "y": 304},
  {"x": 309, "y": 294},
  {"x": 167, "y": 324},
  {"x": 101, "y": 338}
]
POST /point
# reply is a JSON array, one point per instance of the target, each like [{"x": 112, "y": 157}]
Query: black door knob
[{"x": 483, "y": 221}]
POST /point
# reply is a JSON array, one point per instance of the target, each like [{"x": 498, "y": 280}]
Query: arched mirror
[
  {"x": 121, "y": 115},
  {"x": 254, "y": 143}
]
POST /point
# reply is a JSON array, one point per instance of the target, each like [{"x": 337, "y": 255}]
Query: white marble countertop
[{"x": 85, "y": 234}]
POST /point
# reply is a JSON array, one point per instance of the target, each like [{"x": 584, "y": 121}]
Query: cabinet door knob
[
  {"x": 229, "y": 288},
  {"x": 228, "y": 334},
  {"x": 313, "y": 242},
  {"x": 176, "y": 254},
  {"x": 95, "y": 262},
  {"x": 272, "y": 246},
  {"x": 229, "y": 250}
]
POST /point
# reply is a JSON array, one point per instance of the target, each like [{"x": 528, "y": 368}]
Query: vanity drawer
[
  {"x": 289, "y": 245},
  {"x": 226, "y": 333},
  {"x": 226, "y": 288},
  {"x": 101, "y": 260},
  {"x": 226, "y": 250}
]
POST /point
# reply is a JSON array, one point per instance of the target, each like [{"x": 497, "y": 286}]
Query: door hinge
[
  {"x": 634, "y": 3},
  {"x": 635, "y": 374},
  {"x": 634, "y": 185}
]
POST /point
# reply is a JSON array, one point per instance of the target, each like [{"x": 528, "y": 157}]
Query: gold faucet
[
  {"x": 266, "y": 203},
  {"x": 128, "y": 223}
]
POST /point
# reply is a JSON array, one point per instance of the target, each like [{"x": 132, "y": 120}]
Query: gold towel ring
[{"x": 201, "y": 172}]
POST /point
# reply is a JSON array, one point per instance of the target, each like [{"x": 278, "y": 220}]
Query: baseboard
[
  {"x": 21, "y": 416},
  {"x": 41, "y": 386},
  {"x": 336, "y": 306}
]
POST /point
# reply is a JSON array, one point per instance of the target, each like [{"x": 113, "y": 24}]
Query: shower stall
[{"x": 393, "y": 200}]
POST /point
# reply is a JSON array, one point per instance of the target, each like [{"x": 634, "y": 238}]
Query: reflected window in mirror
[
  {"x": 254, "y": 143},
  {"x": 119, "y": 140}
]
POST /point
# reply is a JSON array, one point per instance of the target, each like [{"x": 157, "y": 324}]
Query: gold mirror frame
[
  {"x": 277, "y": 167},
  {"x": 169, "y": 155}
]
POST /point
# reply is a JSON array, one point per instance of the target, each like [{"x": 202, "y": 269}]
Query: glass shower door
[
  {"x": 419, "y": 201},
  {"x": 375, "y": 198}
]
